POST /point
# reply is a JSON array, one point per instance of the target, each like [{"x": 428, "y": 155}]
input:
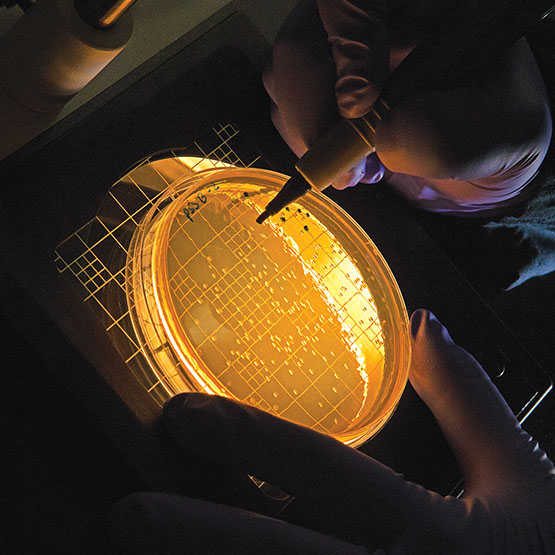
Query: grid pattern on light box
[
  {"x": 95, "y": 255},
  {"x": 263, "y": 338}
]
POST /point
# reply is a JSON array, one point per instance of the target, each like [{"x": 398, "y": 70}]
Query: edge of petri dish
[{"x": 383, "y": 286}]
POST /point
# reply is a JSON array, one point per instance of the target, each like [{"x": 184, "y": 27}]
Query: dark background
[{"x": 77, "y": 436}]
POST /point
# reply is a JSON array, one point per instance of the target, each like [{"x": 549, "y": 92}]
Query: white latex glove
[
  {"x": 465, "y": 148},
  {"x": 508, "y": 506}
]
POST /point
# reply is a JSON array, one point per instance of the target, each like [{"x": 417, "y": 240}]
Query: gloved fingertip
[
  {"x": 424, "y": 323},
  {"x": 350, "y": 108},
  {"x": 350, "y": 178},
  {"x": 175, "y": 407},
  {"x": 355, "y": 96},
  {"x": 418, "y": 316},
  {"x": 344, "y": 182},
  {"x": 374, "y": 169},
  {"x": 374, "y": 178},
  {"x": 173, "y": 404}
]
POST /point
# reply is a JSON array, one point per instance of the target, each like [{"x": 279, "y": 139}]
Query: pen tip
[{"x": 262, "y": 217}]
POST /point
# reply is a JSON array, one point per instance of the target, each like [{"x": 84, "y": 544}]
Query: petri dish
[{"x": 299, "y": 316}]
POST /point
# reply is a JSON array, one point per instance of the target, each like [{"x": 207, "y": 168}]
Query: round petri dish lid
[{"x": 299, "y": 316}]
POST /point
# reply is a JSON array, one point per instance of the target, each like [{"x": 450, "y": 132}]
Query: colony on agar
[{"x": 299, "y": 316}]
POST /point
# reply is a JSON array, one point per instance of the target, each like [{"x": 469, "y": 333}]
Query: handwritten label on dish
[{"x": 192, "y": 206}]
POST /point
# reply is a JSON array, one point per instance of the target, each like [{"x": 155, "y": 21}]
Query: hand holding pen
[
  {"x": 465, "y": 124},
  {"x": 508, "y": 506}
]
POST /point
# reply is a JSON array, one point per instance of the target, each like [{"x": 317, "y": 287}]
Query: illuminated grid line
[
  {"x": 116, "y": 322},
  {"x": 90, "y": 271},
  {"x": 165, "y": 380},
  {"x": 131, "y": 216},
  {"x": 112, "y": 277},
  {"x": 99, "y": 271},
  {"x": 132, "y": 341},
  {"x": 89, "y": 250},
  {"x": 159, "y": 175},
  {"x": 218, "y": 152},
  {"x": 370, "y": 336},
  {"x": 350, "y": 391},
  {"x": 247, "y": 317},
  {"x": 62, "y": 265},
  {"x": 298, "y": 349},
  {"x": 83, "y": 269},
  {"x": 238, "y": 245},
  {"x": 132, "y": 356},
  {"x": 240, "y": 261}
]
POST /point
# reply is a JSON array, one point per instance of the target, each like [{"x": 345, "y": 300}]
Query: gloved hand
[
  {"x": 508, "y": 505},
  {"x": 463, "y": 149}
]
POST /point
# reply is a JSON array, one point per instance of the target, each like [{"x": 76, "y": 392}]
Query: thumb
[
  {"x": 356, "y": 492},
  {"x": 374, "y": 170},
  {"x": 368, "y": 170},
  {"x": 485, "y": 436},
  {"x": 357, "y": 33}
]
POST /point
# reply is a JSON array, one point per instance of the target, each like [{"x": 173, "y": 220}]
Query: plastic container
[{"x": 299, "y": 316}]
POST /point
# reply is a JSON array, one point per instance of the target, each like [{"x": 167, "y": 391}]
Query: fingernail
[
  {"x": 350, "y": 178},
  {"x": 376, "y": 177},
  {"x": 374, "y": 169},
  {"x": 416, "y": 320},
  {"x": 433, "y": 326}
]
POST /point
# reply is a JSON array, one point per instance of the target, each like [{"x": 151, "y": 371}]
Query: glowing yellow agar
[{"x": 290, "y": 316}]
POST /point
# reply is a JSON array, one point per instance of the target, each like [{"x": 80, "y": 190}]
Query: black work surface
[{"x": 89, "y": 433}]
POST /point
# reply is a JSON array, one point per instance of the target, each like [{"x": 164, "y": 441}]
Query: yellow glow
[
  {"x": 200, "y": 164},
  {"x": 281, "y": 316}
]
